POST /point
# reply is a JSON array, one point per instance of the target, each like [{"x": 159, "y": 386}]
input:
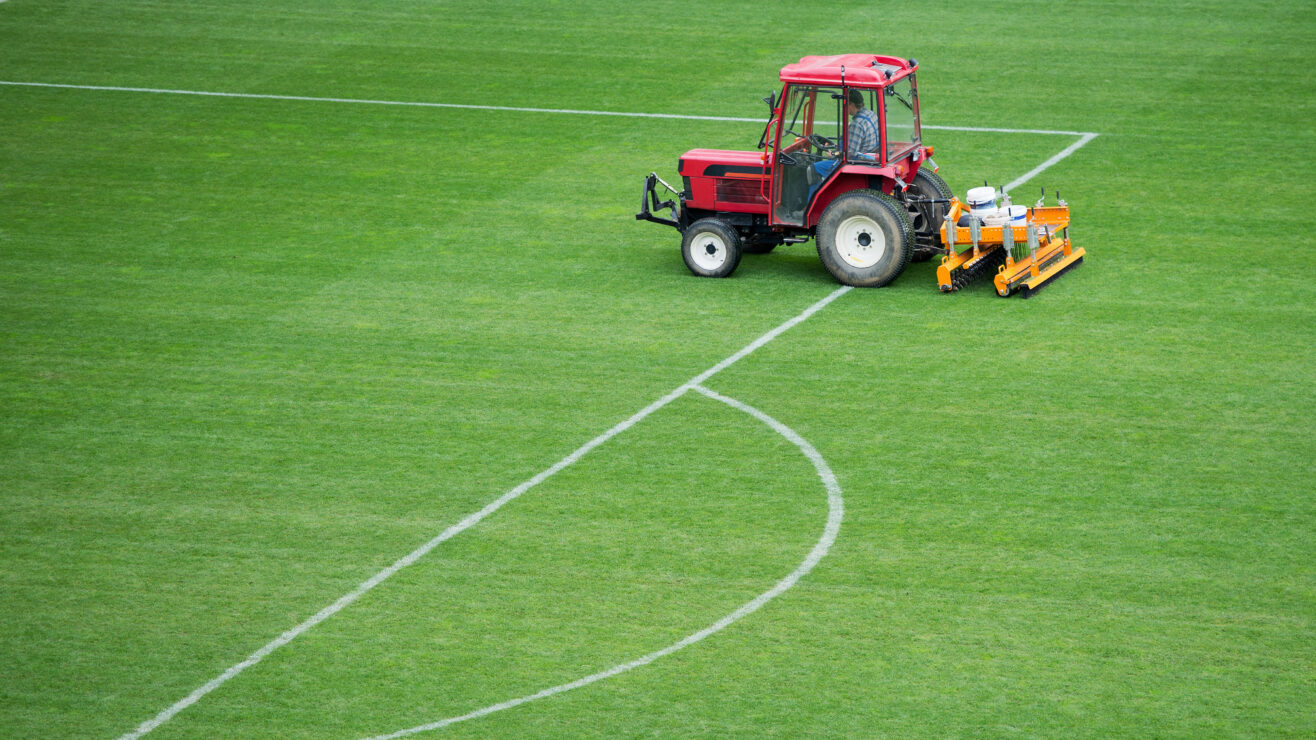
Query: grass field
[{"x": 253, "y": 351}]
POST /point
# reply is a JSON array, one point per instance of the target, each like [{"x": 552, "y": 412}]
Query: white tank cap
[{"x": 983, "y": 197}]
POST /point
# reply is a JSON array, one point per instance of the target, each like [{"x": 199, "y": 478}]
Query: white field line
[
  {"x": 465, "y": 524},
  {"x": 421, "y": 104},
  {"x": 835, "y": 513},
  {"x": 1085, "y": 137},
  {"x": 1039, "y": 169}
]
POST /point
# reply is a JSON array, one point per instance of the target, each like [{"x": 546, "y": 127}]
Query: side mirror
[{"x": 771, "y": 100}]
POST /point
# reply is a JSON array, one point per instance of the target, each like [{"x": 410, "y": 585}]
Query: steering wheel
[{"x": 822, "y": 142}]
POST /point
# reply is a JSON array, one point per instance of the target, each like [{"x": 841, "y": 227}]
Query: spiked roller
[{"x": 972, "y": 251}]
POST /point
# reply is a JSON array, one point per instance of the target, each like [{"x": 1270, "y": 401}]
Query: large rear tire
[
  {"x": 711, "y": 248},
  {"x": 865, "y": 239},
  {"x": 927, "y": 217}
]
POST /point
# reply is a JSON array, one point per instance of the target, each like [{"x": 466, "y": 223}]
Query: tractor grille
[{"x": 739, "y": 191}]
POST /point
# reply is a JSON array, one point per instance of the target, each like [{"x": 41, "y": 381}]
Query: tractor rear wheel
[
  {"x": 927, "y": 217},
  {"x": 865, "y": 238},
  {"x": 711, "y": 248}
]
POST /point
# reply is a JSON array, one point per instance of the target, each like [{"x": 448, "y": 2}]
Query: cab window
[{"x": 902, "y": 129}]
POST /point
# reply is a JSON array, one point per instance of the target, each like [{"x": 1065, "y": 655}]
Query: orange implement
[{"x": 1023, "y": 258}]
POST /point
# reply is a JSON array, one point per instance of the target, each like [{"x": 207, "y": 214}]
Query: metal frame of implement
[{"x": 1024, "y": 258}]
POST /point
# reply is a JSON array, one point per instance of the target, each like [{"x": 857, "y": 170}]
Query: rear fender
[{"x": 847, "y": 178}]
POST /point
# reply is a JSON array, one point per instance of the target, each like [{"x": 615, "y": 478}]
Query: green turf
[{"x": 253, "y": 351}]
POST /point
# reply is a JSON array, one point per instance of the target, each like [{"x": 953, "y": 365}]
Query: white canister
[{"x": 982, "y": 200}]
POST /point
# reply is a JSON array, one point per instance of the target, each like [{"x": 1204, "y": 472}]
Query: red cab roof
[{"x": 865, "y": 70}]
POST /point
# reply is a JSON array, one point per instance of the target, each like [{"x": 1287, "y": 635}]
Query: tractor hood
[{"x": 720, "y": 163}]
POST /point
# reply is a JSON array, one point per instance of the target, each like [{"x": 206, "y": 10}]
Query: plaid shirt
[{"x": 863, "y": 133}]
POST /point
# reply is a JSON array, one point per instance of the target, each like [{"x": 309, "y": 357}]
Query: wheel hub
[
  {"x": 860, "y": 241},
  {"x": 710, "y": 252}
]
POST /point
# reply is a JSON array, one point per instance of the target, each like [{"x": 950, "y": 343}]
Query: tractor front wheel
[
  {"x": 711, "y": 248},
  {"x": 865, "y": 238}
]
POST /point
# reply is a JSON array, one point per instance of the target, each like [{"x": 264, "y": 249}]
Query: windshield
[
  {"x": 902, "y": 130},
  {"x": 806, "y": 101}
]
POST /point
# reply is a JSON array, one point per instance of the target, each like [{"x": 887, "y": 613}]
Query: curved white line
[
  {"x": 470, "y": 521},
  {"x": 835, "y": 512}
]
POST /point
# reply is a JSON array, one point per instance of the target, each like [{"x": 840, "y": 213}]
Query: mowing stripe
[
  {"x": 835, "y": 513},
  {"x": 463, "y": 106},
  {"x": 465, "y": 524},
  {"x": 983, "y": 129}
]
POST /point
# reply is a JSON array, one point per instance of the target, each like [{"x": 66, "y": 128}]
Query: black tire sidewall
[
  {"x": 890, "y": 217},
  {"x": 728, "y": 236},
  {"x": 930, "y": 185}
]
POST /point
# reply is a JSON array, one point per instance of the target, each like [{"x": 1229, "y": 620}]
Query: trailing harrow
[{"x": 1021, "y": 256}]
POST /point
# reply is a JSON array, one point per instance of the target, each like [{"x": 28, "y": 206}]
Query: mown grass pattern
[{"x": 253, "y": 351}]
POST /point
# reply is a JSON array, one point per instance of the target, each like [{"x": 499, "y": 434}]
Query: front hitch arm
[{"x": 649, "y": 203}]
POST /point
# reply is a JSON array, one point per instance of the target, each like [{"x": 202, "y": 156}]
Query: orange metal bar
[
  {"x": 1054, "y": 268},
  {"x": 1055, "y": 256}
]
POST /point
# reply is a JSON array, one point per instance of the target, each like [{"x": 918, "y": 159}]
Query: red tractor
[{"x": 843, "y": 161}]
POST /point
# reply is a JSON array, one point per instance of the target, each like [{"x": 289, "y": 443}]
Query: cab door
[{"x": 812, "y": 116}]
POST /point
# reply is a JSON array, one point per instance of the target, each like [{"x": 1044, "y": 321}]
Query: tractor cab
[{"x": 818, "y": 135}]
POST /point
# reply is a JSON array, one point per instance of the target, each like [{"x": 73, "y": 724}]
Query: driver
[{"x": 863, "y": 142}]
